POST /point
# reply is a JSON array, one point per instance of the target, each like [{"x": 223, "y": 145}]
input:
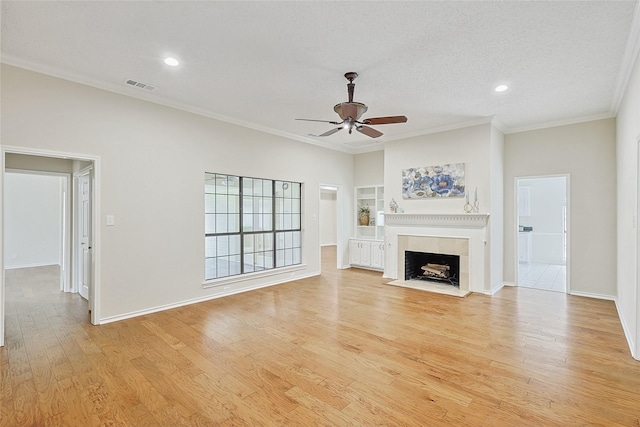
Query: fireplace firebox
[{"x": 441, "y": 268}]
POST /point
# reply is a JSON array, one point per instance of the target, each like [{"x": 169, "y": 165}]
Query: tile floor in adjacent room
[{"x": 551, "y": 277}]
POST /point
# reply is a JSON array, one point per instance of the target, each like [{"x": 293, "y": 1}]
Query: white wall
[
  {"x": 368, "y": 169},
  {"x": 547, "y": 200},
  {"x": 33, "y": 220},
  {"x": 471, "y": 146},
  {"x": 627, "y": 181},
  {"x": 328, "y": 213},
  {"x": 153, "y": 160},
  {"x": 585, "y": 151}
]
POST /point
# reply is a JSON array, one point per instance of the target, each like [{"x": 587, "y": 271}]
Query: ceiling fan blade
[
  {"x": 321, "y": 121},
  {"x": 385, "y": 120},
  {"x": 369, "y": 131},
  {"x": 330, "y": 132}
]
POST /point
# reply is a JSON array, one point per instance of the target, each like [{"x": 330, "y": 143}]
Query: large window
[{"x": 251, "y": 224}]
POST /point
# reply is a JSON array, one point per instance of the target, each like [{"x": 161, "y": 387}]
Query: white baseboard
[
  {"x": 495, "y": 289},
  {"x": 509, "y": 284},
  {"x": 16, "y": 266},
  {"x": 328, "y": 244},
  {"x": 151, "y": 310},
  {"x": 592, "y": 295},
  {"x": 627, "y": 333}
]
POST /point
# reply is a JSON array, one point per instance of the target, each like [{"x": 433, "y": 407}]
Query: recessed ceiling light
[
  {"x": 501, "y": 88},
  {"x": 171, "y": 61}
]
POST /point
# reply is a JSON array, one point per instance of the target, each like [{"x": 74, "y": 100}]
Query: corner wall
[
  {"x": 368, "y": 169},
  {"x": 585, "y": 151},
  {"x": 628, "y": 182},
  {"x": 496, "y": 218}
]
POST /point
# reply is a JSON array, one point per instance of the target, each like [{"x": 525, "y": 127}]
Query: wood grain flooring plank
[
  {"x": 290, "y": 375},
  {"x": 165, "y": 387},
  {"x": 203, "y": 393},
  {"x": 7, "y": 417},
  {"x": 152, "y": 399},
  {"x": 80, "y": 411},
  {"x": 49, "y": 398},
  {"x": 25, "y": 404}
]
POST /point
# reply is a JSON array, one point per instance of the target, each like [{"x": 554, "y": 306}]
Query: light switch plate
[{"x": 111, "y": 220}]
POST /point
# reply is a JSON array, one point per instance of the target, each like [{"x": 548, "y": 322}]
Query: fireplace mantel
[{"x": 436, "y": 220}]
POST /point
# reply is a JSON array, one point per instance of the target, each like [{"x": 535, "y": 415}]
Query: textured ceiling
[{"x": 263, "y": 64}]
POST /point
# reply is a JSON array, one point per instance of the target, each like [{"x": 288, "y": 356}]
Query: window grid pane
[
  {"x": 258, "y": 252},
  {"x": 288, "y": 248},
  {"x": 288, "y": 200},
  {"x": 239, "y": 224}
]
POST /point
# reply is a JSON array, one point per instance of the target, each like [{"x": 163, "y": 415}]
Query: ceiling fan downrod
[{"x": 351, "y": 85}]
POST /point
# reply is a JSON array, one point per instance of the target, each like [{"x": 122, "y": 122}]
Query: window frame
[{"x": 285, "y": 226}]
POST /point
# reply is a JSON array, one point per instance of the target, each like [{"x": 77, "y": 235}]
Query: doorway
[
  {"x": 329, "y": 225},
  {"x": 542, "y": 218},
  {"x": 37, "y": 223},
  {"x": 46, "y": 162}
]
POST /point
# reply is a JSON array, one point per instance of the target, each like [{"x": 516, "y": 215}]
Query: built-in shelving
[{"x": 373, "y": 197}]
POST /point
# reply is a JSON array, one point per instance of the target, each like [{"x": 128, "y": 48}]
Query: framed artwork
[{"x": 431, "y": 182}]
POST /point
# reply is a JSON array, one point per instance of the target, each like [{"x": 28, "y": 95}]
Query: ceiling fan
[{"x": 350, "y": 113}]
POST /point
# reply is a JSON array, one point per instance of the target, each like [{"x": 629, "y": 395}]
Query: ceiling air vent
[{"x": 140, "y": 85}]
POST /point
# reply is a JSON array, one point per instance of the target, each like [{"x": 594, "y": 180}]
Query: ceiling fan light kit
[{"x": 350, "y": 113}]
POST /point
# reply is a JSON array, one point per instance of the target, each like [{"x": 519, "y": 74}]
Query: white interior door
[{"x": 84, "y": 234}]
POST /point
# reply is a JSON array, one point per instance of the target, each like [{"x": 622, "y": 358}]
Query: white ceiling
[{"x": 262, "y": 64}]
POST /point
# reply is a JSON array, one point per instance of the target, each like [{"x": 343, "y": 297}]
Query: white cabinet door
[
  {"x": 354, "y": 252},
  {"x": 365, "y": 253},
  {"x": 377, "y": 255}
]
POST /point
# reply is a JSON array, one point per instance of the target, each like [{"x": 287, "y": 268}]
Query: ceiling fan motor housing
[{"x": 355, "y": 110}]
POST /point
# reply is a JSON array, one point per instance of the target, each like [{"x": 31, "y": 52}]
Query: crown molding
[
  {"x": 563, "y": 122},
  {"x": 628, "y": 61}
]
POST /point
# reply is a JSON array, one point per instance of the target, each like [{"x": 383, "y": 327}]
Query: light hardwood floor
[{"x": 339, "y": 349}]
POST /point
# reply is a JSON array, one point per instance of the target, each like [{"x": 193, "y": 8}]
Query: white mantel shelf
[{"x": 436, "y": 220}]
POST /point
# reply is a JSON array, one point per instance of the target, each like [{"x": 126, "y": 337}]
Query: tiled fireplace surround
[{"x": 464, "y": 235}]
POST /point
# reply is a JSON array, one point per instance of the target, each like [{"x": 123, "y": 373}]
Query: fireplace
[
  {"x": 440, "y": 268},
  {"x": 462, "y": 235}
]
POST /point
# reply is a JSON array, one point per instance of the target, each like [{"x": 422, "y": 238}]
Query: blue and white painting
[{"x": 433, "y": 182}]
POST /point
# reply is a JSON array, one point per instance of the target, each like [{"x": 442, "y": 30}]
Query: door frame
[
  {"x": 635, "y": 352},
  {"x": 340, "y": 244},
  {"x": 94, "y": 301},
  {"x": 568, "y": 225}
]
